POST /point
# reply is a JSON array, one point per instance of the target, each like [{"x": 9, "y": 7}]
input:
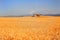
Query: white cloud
[
  {"x": 49, "y": 11},
  {"x": 32, "y": 12}
]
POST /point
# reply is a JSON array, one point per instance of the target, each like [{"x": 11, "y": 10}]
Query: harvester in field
[{"x": 36, "y": 15}]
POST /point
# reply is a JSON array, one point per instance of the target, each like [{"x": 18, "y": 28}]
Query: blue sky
[{"x": 28, "y": 7}]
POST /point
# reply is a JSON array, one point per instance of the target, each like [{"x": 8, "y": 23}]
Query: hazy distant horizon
[{"x": 28, "y": 7}]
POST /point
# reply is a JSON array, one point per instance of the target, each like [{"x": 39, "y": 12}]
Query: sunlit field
[{"x": 30, "y": 28}]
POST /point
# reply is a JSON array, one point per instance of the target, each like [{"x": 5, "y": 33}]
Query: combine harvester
[{"x": 30, "y": 28}]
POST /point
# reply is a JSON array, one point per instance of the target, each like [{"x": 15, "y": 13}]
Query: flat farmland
[{"x": 30, "y": 28}]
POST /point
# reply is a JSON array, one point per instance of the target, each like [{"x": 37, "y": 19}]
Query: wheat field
[{"x": 30, "y": 28}]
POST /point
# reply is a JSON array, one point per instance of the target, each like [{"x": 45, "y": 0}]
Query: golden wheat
[{"x": 30, "y": 28}]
